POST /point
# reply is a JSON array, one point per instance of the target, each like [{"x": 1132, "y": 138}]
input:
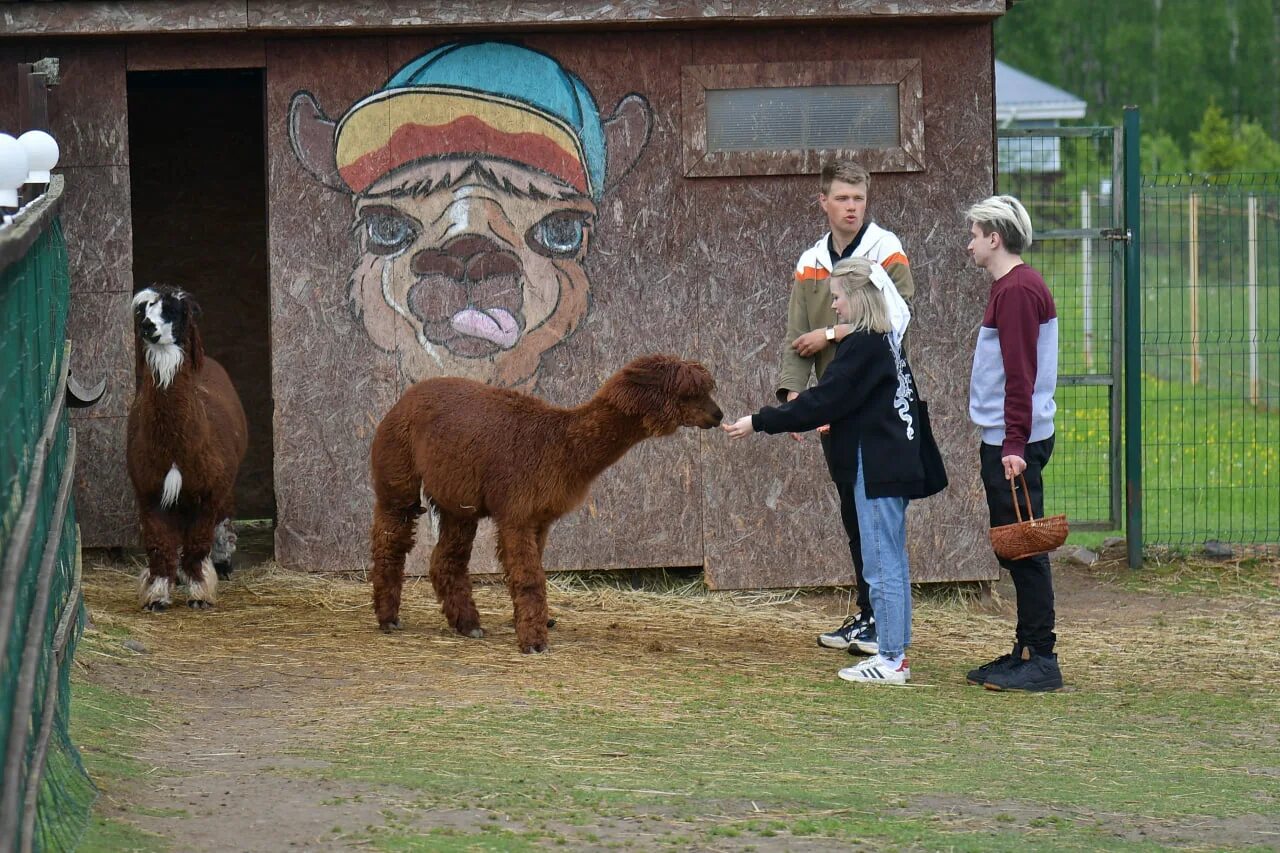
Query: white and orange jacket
[{"x": 810, "y": 305}]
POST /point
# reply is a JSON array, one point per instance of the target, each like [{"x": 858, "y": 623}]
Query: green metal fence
[
  {"x": 46, "y": 795},
  {"x": 1210, "y": 336},
  {"x": 1203, "y": 298}
]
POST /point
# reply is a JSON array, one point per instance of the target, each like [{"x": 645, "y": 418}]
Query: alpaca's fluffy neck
[
  {"x": 598, "y": 436},
  {"x": 170, "y": 405}
]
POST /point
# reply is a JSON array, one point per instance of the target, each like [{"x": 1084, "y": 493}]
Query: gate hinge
[{"x": 1123, "y": 235}]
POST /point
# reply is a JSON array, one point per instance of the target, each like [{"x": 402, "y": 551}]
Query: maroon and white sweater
[{"x": 1015, "y": 364}]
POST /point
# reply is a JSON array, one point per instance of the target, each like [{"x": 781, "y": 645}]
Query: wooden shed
[{"x": 651, "y": 178}]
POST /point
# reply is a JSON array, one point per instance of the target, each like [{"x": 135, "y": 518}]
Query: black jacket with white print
[{"x": 868, "y": 395}]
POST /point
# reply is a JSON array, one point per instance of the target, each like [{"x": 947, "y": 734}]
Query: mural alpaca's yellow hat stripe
[{"x": 392, "y": 128}]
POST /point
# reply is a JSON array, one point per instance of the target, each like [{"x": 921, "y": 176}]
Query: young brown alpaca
[
  {"x": 186, "y": 438},
  {"x": 472, "y": 451}
]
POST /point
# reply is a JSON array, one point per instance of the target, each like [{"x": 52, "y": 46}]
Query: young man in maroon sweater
[{"x": 1015, "y": 371}]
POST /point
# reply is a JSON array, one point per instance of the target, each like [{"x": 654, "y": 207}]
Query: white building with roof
[{"x": 1024, "y": 101}]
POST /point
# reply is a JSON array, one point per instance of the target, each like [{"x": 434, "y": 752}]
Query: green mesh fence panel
[
  {"x": 1064, "y": 177},
  {"x": 1211, "y": 358},
  {"x": 46, "y": 798}
]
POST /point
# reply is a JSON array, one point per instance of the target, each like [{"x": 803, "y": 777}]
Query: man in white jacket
[{"x": 812, "y": 333}]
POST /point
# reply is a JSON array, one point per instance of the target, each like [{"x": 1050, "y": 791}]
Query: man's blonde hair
[
  {"x": 867, "y": 308},
  {"x": 1004, "y": 215},
  {"x": 844, "y": 170}
]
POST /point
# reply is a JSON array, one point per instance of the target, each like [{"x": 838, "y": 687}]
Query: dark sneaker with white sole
[
  {"x": 1031, "y": 673},
  {"x": 841, "y": 637},
  {"x": 864, "y": 642},
  {"x": 980, "y": 675}
]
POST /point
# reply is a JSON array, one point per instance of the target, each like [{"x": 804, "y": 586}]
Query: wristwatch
[{"x": 831, "y": 333}]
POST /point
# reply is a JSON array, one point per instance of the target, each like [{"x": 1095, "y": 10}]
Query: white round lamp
[
  {"x": 13, "y": 169},
  {"x": 42, "y": 155}
]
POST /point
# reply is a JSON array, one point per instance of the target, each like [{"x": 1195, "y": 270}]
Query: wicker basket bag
[{"x": 1027, "y": 538}]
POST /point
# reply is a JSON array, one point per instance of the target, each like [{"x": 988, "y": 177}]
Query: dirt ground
[{"x": 225, "y": 773}]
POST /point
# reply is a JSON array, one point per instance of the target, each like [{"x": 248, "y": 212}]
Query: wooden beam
[{"x": 139, "y": 17}]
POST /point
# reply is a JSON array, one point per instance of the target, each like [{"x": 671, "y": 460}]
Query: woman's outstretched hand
[{"x": 739, "y": 428}]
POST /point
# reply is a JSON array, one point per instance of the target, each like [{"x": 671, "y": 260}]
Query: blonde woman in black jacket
[{"x": 868, "y": 396}]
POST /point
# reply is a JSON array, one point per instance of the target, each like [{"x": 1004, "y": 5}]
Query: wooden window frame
[{"x": 695, "y": 80}]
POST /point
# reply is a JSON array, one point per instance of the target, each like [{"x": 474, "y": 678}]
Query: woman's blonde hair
[{"x": 867, "y": 308}]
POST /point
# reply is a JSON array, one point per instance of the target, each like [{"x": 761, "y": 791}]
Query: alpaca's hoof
[
  {"x": 200, "y": 604},
  {"x": 476, "y": 633},
  {"x": 551, "y": 623},
  {"x": 536, "y": 648},
  {"x": 388, "y": 627},
  {"x": 223, "y": 569},
  {"x": 156, "y": 606}
]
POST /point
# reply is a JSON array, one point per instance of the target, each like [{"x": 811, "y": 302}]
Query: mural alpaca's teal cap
[{"x": 489, "y": 99}]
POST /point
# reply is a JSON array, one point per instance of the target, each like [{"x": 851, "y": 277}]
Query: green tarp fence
[{"x": 45, "y": 793}]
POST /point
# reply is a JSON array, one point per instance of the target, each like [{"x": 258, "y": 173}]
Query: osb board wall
[
  {"x": 333, "y": 384},
  {"x": 87, "y": 116},
  {"x": 696, "y": 267},
  {"x": 772, "y": 516}
]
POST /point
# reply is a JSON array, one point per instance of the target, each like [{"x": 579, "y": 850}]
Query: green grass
[
  {"x": 719, "y": 755},
  {"x": 1211, "y": 467},
  {"x": 106, "y": 726}
]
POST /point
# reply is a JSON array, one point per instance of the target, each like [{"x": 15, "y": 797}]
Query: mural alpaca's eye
[
  {"x": 559, "y": 235},
  {"x": 389, "y": 233}
]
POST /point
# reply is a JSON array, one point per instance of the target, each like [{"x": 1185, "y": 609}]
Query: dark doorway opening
[{"x": 199, "y": 193}]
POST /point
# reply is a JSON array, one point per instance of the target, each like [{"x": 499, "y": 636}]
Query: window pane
[{"x": 818, "y": 117}]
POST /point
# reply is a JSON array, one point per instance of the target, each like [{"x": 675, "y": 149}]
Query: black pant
[
  {"x": 849, "y": 515},
  {"x": 1031, "y": 578}
]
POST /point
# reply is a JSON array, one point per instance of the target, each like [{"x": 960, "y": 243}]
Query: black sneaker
[
  {"x": 1037, "y": 674},
  {"x": 980, "y": 675},
  {"x": 864, "y": 642},
  {"x": 841, "y": 637}
]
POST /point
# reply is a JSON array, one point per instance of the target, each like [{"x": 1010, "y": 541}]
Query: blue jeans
[{"x": 883, "y": 523}]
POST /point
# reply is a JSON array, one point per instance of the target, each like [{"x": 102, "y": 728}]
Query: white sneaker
[{"x": 877, "y": 670}]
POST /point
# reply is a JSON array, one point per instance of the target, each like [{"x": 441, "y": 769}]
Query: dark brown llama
[
  {"x": 469, "y": 451},
  {"x": 187, "y": 437}
]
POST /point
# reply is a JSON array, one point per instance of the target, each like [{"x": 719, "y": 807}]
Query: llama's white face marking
[
  {"x": 172, "y": 487},
  {"x": 158, "y": 318},
  {"x": 204, "y": 588},
  {"x": 158, "y": 591}
]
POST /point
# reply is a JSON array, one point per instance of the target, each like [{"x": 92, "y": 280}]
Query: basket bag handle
[{"x": 1026, "y": 494}]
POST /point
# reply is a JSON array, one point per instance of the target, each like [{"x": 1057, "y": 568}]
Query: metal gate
[{"x": 1070, "y": 179}]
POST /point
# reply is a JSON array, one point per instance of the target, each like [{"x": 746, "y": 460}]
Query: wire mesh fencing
[
  {"x": 1209, "y": 335},
  {"x": 1211, "y": 358},
  {"x": 46, "y": 794}
]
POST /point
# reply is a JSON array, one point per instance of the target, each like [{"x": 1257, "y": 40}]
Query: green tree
[
  {"x": 1214, "y": 148},
  {"x": 1169, "y": 57},
  {"x": 1262, "y": 153},
  {"x": 1161, "y": 154}
]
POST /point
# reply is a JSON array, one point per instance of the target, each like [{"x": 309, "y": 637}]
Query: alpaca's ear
[
  {"x": 688, "y": 379},
  {"x": 649, "y": 371},
  {"x": 195, "y": 344}
]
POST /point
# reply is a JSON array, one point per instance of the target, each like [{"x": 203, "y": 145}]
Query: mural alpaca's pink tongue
[{"x": 492, "y": 324}]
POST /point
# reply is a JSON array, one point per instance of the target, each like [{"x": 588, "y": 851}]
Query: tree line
[{"x": 1205, "y": 73}]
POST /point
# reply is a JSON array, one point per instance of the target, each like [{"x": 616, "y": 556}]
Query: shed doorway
[{"x": 197, "y": 166}]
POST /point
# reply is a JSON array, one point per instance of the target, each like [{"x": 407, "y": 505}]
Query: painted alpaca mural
[{"x": 475, "y": 174}]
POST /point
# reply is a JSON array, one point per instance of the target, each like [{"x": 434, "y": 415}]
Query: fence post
[
  {"x": 1193, "y": 263},
  {"x": 1132, "y": 340},
  {"x": 1086, "y": 259},
  {"x": 1253, "y": 299}
]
